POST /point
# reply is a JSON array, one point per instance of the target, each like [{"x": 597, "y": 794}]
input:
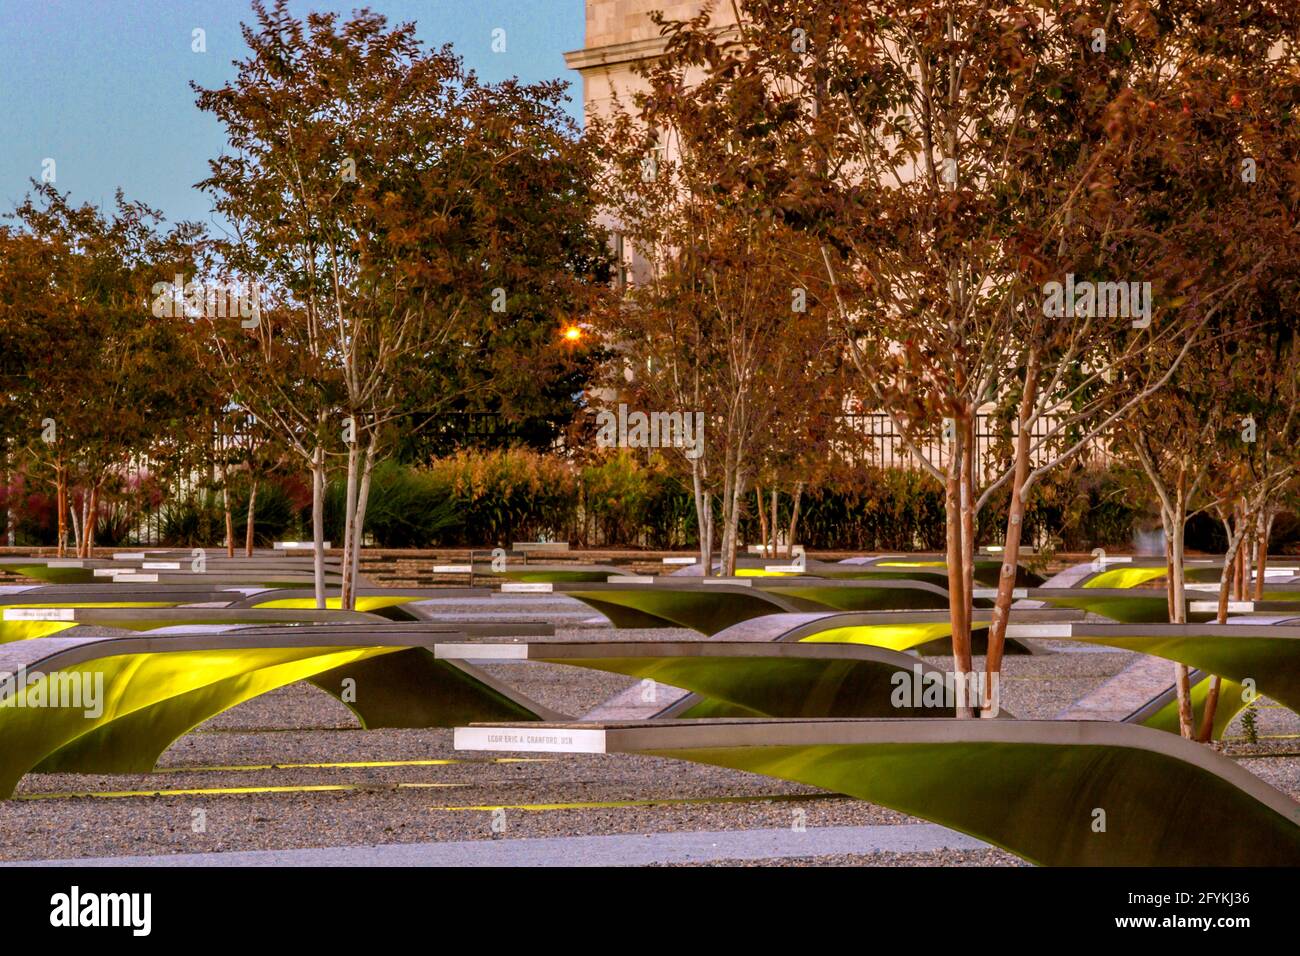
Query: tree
[
  {"x": 79, "y": 292},
  {"x": 1218, "y": 188},
  {"x": 961, "y": 164},
  {"x": 395, "y": 209},
  {"x": 1256, "y": 460},
  {"x": 728, "y": 322}
]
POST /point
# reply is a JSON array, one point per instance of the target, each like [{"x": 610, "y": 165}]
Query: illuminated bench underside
[
  {"x": 1267, "y": 654},
  {"x": 158, "y": 688},
  {"x": 148, "y": 617},
  {"x": 711, "y": 607},
  {"x": 749, "y": 678}
]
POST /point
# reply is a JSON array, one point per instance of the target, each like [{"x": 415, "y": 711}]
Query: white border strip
[
  {"x": 1040, "y": 630},
  {"x": 1212, "y": 607},
  {"x": 480, "y": 652},
  {"x": 40, "y": 614}
]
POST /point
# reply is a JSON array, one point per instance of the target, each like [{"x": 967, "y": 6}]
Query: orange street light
[{"x": 572, "y": 333}]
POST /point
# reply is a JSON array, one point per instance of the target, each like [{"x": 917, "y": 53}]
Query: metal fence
[{"x": 878, "y": 442}]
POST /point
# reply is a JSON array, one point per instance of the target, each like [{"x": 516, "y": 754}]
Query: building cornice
[{"x": 612, "y": 54}]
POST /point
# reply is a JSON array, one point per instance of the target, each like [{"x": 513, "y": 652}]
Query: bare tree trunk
[
  {"x": 728, "y": 506},
  {"x": 88, "y": 504},
  {"x": 359, "y": 524},
  {"x": 772, "y": 523},
  {"x": 1227, "y": 577},
  {"x": 88, "y": 531},
  {"x": 725, "y": 545},
  {"x": 1173, "y": 518},
  {"x": 76, "y": 526},
  {"x": 61, "y": 505},
  {"x": 703, "y": 519},
  {"x": 1230, "y": 562},
  {"x": 724, "y": 540},
  {"x": 318, "y": 524},
  {"x": 1011, "y": 545},
  {"x": 710, "y": 533},
  {"x": 1166, "y": 522},
  {"x": 225, "y": 506},
  {"x": 737, "y": 509},
  {"x": 1238, "y": 563},
  {"x": 1211, "y": 705},
  {"x": 11, "y": 515},
  {"x": 732, "y": 525},
  {"x": 252, "y": 505},
  {"x": 1247, "y": 557},
  {"x": 85, "y": 521},
  {"x": 967, "y": 491},
  {"x": 349, "y": 513},
  {"x": 794, "y": 518},
  {"x": 1178, "y": 580},
  {"x": 961, "y": 650},
  {"x": 762, "y": 517},
  {"x": 1261, "y": 553}
]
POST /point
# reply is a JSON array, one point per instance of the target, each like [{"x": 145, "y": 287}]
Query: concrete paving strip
[
  {"x": 611, "y": 850},
  {"x": 1070, "y": 577},
  {"x": 1062, "y": 647},
  {"x": 631, "y": 704},
  {"x": 1124, "y": 693}
]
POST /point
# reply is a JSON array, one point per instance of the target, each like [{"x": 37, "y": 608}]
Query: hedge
[{"x": 490, "y": 498}]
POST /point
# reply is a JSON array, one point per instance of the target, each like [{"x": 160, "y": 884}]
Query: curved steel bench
[
  {"x": 1064, "y": 793},
  {"x": 746, "y": 678},
  {"x": 1267, "y": 655},
  {"x": 710, "y": 605},
  {"x": 156, "y": 688},
  {"x": 24, "y": 623}
]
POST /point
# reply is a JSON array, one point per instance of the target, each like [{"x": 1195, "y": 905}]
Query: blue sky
[{"x": 102, "y": 86}]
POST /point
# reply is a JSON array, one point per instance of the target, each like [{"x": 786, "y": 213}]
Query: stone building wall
[{"x": 619, "y": 34}]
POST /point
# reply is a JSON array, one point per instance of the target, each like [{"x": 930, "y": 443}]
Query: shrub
[
  {"x": 870, "y": 509},
  {"x": 510, "y": 495},
  {"x": 616, "y": 499},
  {"x": 275, "y": 514},
  {"x": 406, "y": 509},
  {"x": 489, "y": 498},
  {"x": 471, "y": 498},
  {"x": 1075, "y": 508},
  {"x": 670, "y": 521},
  {"x": 194, "y": 521},
  {"x": 32, "y": 507}
]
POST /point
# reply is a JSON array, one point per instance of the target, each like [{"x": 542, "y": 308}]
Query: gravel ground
[{"x": 451, "y": 796}]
